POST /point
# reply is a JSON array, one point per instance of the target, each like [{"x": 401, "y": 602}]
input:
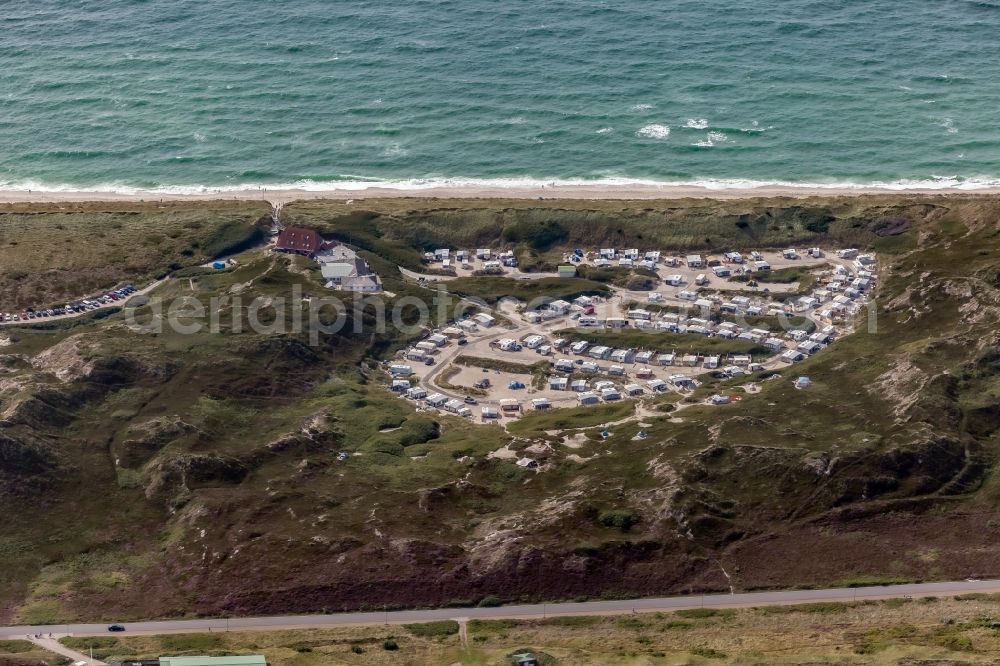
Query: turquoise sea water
[{"x": 220, "y": 93}]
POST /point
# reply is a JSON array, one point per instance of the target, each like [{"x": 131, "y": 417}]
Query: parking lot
[{"x": 74, "y": 308}]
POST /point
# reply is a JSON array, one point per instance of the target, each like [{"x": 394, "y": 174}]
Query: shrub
[
  {"x": 233, "y": 237},
  {"x": 677, "y": 624},
  {"x": 955, "y": 642},
  {"x": 633, "y": 623},
  {"x": 185, "y": 642},
  {"x": 573, "y": 621},
  {"x": 701, "y": 613},
  {"x": 620, "y": 518},
  {"x": 460, "y": 603},
  {"x": 489, "y": 602},
  {"x": 709, "y": 653},
  {"x": 357, "y": 649},
  {"x": 818, "y": 607},
  {"x": 431, "y": 629},
  {"x": 15, "y": 646},
  {"x": 538, "y": 236},
  {"x": 390, "y": 645}
]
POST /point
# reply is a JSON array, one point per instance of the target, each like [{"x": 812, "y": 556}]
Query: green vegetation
[
  {"x": 429, "y": 629},
  {"x": 568, "y": 419},
  {"x": 501, "y": 365},
  {"x": 87, "y": 642},
  {"x": 190, "y": 642},
  {"x": 618, "y": 518},
  {"x": 869, "y": 580},
  {"x": 24, "y": 653},
  {"x": 15, "y": 646},
  {"x": 702, "y": 613},
  {"x": 635, "y": 279},
  {"x": 535, "y": 292},
  {"x": 50, "y": 253},
  {"x": 952, "y": 632},
  {"x": 822, "y": 608},
  {"x": 708, "y": 653},
  {"x": 402, "y": 228},
  {"x": 251, "y": 473},
  {"x": 663, "y": 341},
  {"x": 539, "y": 236},
  {"x": 804, "y": 275},
  {"x": 573, "y": 621},
  {"x": 778, "y": 323}
]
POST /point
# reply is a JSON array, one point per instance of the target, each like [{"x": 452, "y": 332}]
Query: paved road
[{"x": 524, "y": 611}]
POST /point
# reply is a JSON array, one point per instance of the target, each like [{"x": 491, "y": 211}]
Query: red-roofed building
[{"x": 299, "y": 240}]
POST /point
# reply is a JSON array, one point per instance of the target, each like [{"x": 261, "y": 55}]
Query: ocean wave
[
  {"x": 395, "y": 150},
  {"x": 605, "y": 130},
  {"x": 653, "y": 131},
  {"x": 642, "y": 107},
  {"x": 949, "y": 125},
  {"x": 703, "y": 124},
  {"x": 361, "y": 183},
  {"x": 711, "y": 139}
]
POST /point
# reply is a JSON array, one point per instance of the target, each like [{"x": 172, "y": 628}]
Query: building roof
[
  {"x": 245, "y": 660},
  {"x": 336, "y": 253},
  {"x": 341, "y": 269},
  {"x": 299, "y": 239},
  {"x": 361, "y": 282}
]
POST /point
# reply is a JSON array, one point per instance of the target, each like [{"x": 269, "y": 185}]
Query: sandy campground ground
[{"x": 568, "y": 191}]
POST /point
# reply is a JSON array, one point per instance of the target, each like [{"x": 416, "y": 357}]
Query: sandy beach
[{"x": 574, "y": 191}]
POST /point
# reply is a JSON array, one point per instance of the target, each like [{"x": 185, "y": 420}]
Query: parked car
[{"x": 469, "y": 400}]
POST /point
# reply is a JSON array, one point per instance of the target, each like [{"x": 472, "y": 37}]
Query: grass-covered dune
[
  {"x": 539, "y": 230},
  {"x": 491, "y": 289},
  {"x": 247, "y": 473},
  {"x": 50, "y": 253}
]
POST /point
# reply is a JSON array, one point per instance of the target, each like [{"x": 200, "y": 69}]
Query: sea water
[{"x": 187, "y": 95}]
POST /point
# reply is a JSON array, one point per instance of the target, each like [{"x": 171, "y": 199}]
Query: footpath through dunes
[{"x": 247, "y": 473}]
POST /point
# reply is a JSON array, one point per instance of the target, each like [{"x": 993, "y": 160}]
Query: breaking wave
[
  {"x": 357, "y": 183},
  {"x": 653, "y": 131}
]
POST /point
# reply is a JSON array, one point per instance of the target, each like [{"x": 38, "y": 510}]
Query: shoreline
[{"x": 557, "y": 191}]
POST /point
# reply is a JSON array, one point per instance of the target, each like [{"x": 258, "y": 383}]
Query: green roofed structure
[{"x": 244, "y": 660}]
